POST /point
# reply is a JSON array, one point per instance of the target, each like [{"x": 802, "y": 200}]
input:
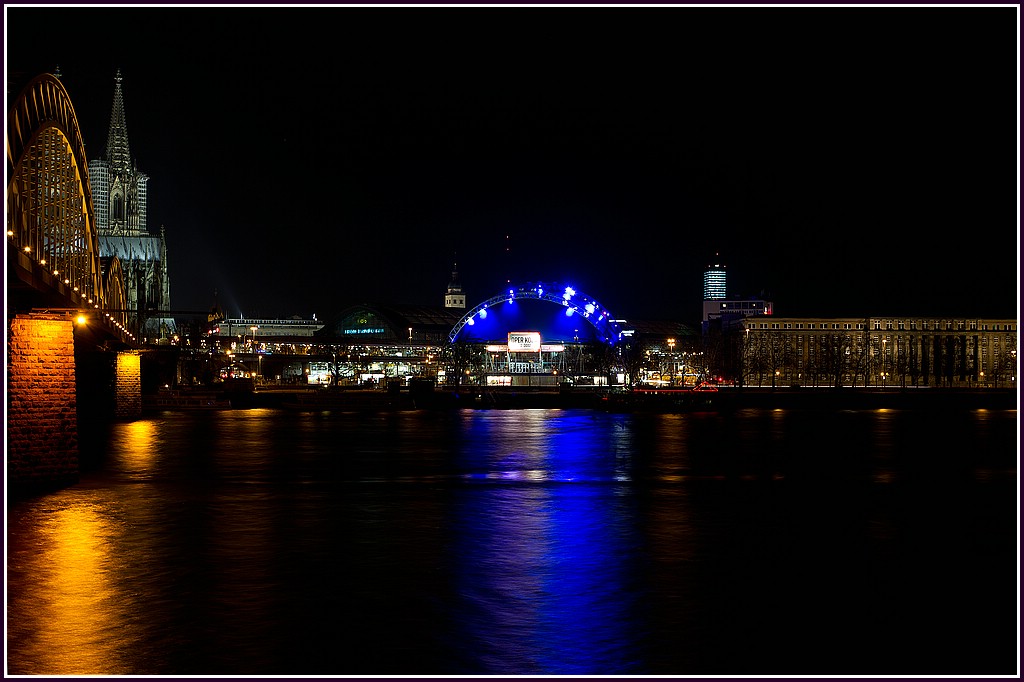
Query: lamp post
[
  {"x": 672, "y": 359},
  {"x": 883, "y": 363},
  {"x": 745, "y": 344}
]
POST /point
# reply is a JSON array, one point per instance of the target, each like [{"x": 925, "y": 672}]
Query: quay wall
[
  {"x": 311, "y": 398},
  {"x": 867, "y": 398}
]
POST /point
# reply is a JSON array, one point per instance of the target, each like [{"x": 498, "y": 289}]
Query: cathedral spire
[
  {"x": 455, "y": 275},
  {"x": 118, "y": 155}
]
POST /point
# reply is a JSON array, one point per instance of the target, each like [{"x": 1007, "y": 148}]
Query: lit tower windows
[{"x": 714, "y": 281}]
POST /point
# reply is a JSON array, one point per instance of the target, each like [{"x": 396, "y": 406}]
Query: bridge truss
[{"x": 53, "y": 246}]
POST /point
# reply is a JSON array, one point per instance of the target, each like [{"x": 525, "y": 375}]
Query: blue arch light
[{"x": 604, "y": 328}]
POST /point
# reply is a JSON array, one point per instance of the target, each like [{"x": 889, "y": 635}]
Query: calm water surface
[{"x": 518, "y": 542}]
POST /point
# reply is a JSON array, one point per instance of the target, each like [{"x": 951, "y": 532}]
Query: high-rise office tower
[{"x": 714, "y": 281}]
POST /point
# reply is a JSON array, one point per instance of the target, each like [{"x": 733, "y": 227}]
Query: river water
[{"x": 518, "y": 542}]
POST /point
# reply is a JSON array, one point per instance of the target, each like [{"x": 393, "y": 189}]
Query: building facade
[
  {"x": 455, "y": 297},
  {"x": 718, "y": 308},
  {"x": 120, "y": 193},
  {"x": 875, "y": 351},
  {"x": 255, "y": 331},
  {"x": 724, "y": 309}
]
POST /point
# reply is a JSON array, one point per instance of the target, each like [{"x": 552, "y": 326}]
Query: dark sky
[{"x": 845, "y": 161}]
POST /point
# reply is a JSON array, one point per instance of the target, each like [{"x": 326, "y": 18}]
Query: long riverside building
[{"x": 875, "y": 351}]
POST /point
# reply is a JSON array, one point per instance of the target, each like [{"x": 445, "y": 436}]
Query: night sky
[{"x": 843, "y": 161}]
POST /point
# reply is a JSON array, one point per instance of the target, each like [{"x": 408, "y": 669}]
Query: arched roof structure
[{"x": 559, "y": 312}]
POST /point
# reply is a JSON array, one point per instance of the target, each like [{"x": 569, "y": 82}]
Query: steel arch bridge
[
  {"x": 575, "y": 304},
  {"x": 53, "y": 246}
]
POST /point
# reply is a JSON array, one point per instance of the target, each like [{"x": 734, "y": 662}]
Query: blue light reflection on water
[{"x": 546, "y": 558}]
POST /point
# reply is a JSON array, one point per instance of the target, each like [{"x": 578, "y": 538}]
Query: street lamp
[
  {"x": 672, "y": 367},
  {"x": 253, "y": 328},
  {"x": 883, "y": 363},
  {"x": 743, "y": 353}
]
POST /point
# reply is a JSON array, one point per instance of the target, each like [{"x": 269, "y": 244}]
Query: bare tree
[
  {"x": 913, "y": 361},
  {"x": 632, "y": 356},
  {"x": 858, "y": 359},
  {"x": 833, "y": 351},
  {"x": 1004, "y": 367},
  {"x": 600, "y": 359},
  {"x": 710, "y": 357},
  {"x": 460, "y": 359},
  {"x": 778, "y": 354},
  {"x": 901, "y": 360}
]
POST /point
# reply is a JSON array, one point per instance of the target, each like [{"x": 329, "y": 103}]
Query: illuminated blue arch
[{"x": 573, "y": 305}]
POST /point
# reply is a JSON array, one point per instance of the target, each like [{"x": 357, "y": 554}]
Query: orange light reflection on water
[
  {"x": 75, "y": 628},
  {"x": 138, "y": 447}
]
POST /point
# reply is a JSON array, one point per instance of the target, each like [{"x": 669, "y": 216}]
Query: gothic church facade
[{"x": 119, "y": 193}]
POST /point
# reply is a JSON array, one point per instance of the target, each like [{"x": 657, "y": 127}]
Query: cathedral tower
[
  {"x": 119, "y": 198},
  {"x": 121, "y": 188}
]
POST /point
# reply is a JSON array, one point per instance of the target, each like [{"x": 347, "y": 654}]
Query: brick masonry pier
[
  {"x": 42, "y": 416},
  {"x": 60, "y": 394}
]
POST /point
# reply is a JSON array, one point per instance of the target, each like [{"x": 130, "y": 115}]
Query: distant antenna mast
[{"x": 508, "y": 259}]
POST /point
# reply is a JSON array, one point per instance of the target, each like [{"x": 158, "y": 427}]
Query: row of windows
[
  {"x": 948, "y": 325},
  {"x": 744, "y": 305},
  {"x": 714, "y": 284},
  {"x": 1009, "y": 340},
  {"x": 925, "y": 325},
  {"x": 809, "y": 325}
]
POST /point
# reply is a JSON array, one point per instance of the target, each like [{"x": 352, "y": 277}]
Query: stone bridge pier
[{"x": 61, "y": 389}]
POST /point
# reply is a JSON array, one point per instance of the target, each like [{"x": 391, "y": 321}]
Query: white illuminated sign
[{"x": 524, "y": 342}]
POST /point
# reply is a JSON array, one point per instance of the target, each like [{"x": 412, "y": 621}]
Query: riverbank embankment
[{"x": 726, "y": 398}]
